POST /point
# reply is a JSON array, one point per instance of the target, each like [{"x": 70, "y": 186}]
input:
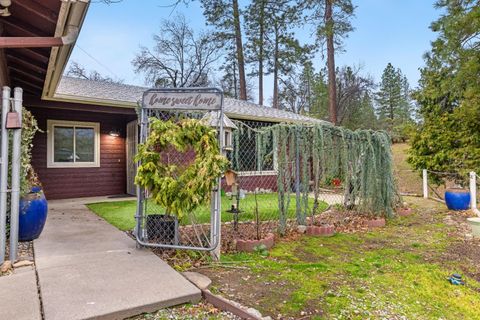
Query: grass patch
[
  {"x": 121, "y": 214},
  {"x": 388, "y": 273}
]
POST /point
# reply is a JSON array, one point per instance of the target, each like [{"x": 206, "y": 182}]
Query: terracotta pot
[
  {"x": 376, "y": 223},
  {"x": 250, "y": 245},
  {"x": 326, "y": 230}
]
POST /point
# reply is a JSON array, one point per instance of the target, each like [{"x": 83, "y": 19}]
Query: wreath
[{"x": 183, "y": 184}]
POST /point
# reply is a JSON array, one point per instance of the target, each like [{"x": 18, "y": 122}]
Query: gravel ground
[
  {"x": 25, "y": 252},
  {"x": 200, "y": 311}
]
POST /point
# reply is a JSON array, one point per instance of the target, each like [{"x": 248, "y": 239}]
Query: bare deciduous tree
[
  {"x": 179, "y": 58},
  {"x": 78, "y": 71}
]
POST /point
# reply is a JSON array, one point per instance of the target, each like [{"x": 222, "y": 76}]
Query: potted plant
[
  {"x": 180, "y": 163},
  {"x": 33, "y": 204}
]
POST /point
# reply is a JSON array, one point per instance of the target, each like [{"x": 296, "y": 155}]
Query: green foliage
[
  {"x": 361, "y": 159},
  {"x": 179, "y": 188},
  {"x": 261, "y": 250},
  {"x": 394, "y": 102},
  {"x": 448, "y": 138},
  {"x": 28, "y": 177}
]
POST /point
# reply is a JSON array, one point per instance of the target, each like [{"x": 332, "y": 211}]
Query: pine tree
[
  {"x": 332, "y": 21},
  {"x": 448, "y": 138},
  {"x": 257, "y": 28},
  {"x": 224, "y": 15},
  {"x": 393, "y": 98}
]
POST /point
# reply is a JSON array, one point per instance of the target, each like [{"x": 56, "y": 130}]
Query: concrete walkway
[
  {"x": 88, "y": 269},
  {"x": 19, "y": 295}
]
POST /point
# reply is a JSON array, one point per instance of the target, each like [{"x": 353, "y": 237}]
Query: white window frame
[{"x": 51, "y": 124}]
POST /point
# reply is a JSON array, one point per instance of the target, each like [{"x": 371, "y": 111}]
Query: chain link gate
[{"x": 200, "y": 229}]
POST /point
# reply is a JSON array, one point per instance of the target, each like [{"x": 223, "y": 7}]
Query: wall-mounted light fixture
[
  {"x": 114, "y": 133},
  {"x": 4, "y": 12}
]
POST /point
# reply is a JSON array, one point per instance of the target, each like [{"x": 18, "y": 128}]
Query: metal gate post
[
  {"x": 425, "y": 183},
  {"x": 16, "y": 162},
  {"x": 4, "y": 172}
]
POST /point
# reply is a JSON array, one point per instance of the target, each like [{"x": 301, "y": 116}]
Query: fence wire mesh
[
  {"x": 251, "y": 205},
  {"x": 155, "y": 227}
]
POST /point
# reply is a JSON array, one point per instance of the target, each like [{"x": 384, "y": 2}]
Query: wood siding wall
[{"x": 63, "y": 183}]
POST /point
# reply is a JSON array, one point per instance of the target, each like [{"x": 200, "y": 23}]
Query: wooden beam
[
  {"x": 51, "y": 104},
  {"x": 29, "y": 84},
  {"x": 26, "y": 74},
  {"x": 4, "y": 78},
  {"x": 33, "y": 53},
  {"x": 23, "y": 61},
  {"x": 37, "y": 9},
  {"x": 30, "y": 42},
  {"x": 25, "y": 29}
]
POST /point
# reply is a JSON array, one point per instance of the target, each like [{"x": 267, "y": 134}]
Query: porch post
[
  {"x": 16, "y": 159},
  {"x": 4, "y": 172}
]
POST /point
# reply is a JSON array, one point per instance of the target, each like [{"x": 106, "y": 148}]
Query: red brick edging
[
  {"x": 376, "y": 223},
  {"x": 249, "y": 245},
  {"x": 327, "y": 230}
]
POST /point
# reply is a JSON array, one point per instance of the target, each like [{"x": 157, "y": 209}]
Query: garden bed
[{"x": 396, "y": 272}]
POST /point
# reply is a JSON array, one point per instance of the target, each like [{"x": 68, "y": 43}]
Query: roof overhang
[
  {"x": 33, "y": 25},
  {"x": 71, "y": 17}
]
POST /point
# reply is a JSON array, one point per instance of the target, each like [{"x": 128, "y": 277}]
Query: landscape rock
[
  {"x": 6, "y": 266},
  {"x": 301, "y": 229},
  {"x": 199, "y": 280},
  {"x": 22, "y": 263}
]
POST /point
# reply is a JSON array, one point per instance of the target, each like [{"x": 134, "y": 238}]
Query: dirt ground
[{"x": 313, "y": 278}]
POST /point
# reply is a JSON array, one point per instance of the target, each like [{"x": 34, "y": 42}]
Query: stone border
[
  {"x": 249, "y": 245},
  {"x": 325, "y": 230},
  {"x": 219, "y": 302},
  {"x": 376, "y": 223}
]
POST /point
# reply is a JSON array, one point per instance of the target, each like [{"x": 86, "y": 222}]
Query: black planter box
[{"x": 162, "y": 229}]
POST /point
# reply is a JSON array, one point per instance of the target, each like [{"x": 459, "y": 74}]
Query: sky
[{"x": 395, "y": 31}]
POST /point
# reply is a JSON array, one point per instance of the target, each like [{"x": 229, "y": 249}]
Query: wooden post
[{"x": 425, "y": 183}]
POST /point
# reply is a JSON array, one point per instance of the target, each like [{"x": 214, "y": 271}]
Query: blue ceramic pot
[
  {"x": 32, "y": 216},
  {"x": 457, "y": 199}
]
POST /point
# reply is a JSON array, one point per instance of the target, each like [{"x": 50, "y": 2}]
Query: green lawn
[
  {"x": 121, "y": 214},
  {"x": 397, "y": 272}
]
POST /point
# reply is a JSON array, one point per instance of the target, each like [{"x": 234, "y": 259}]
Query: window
[
  {"x": 244, "y": 156},
  {"x": 73, "y": 144}
]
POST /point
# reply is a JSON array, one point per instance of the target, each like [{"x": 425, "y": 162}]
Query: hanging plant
[{"x": 173, "y": 182}]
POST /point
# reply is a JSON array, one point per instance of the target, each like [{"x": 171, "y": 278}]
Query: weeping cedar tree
[
  {"x": 448, "y": 138},
  {"x": 331, "y": 19},
  {"x": 394, "y": 104},
  {"x": 179, "y": 58},
  {"x": 224, "y": 15}
]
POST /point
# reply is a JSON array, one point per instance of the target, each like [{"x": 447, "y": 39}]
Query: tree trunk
[
  {"x": 275, "y": 71},
  {"x": 332, "y": 86},
  {"x": 260, "y": 55},
  {"x": 239, "y": 45}
]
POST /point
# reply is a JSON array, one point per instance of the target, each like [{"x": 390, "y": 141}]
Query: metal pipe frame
[
  {"x": 4, "y": 172},
  {"x": 16, "y": 163},
  {"x": 216, "y": 201}
]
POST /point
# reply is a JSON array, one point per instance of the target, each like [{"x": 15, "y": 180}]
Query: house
[{"x": 88, "y": 128}]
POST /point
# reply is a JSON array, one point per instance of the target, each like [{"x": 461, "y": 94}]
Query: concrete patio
[{"x": 88, "y": 269}]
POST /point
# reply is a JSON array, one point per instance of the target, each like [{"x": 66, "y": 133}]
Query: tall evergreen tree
[
  {"x": 257, "y": 28},
  {"x": 393, "y": 98},
  {"x": 331, "y": 19},
  {"x": 449, "y": 93},
  {"x": 224, "y": 15}
]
